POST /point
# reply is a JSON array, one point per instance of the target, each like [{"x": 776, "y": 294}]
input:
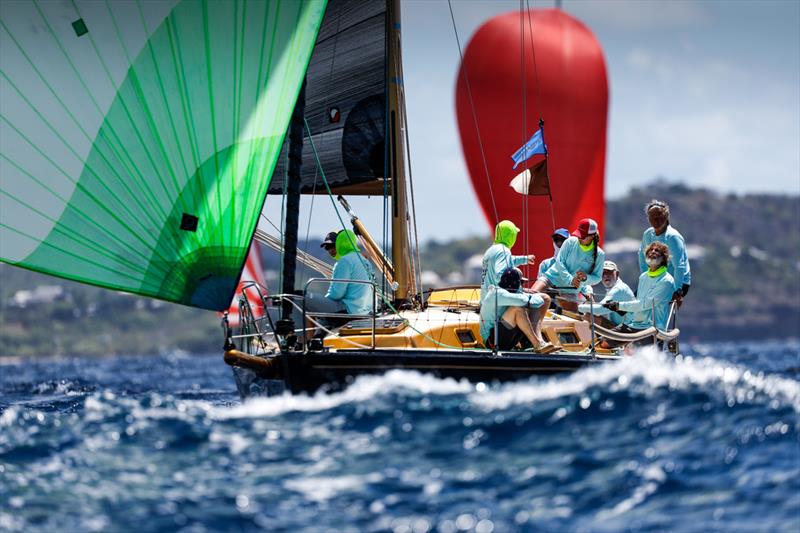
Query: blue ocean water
[{"x": 708, "y": 442}]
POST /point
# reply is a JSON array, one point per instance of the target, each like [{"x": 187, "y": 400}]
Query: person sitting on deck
[
  {"x": 509, "y": 307},
  {"x": 498, "y": 258},
  {"x": 578, "y": 265},
  {"x": 559, "y": 236},
  {"x": 345, "y": 297},
  {"x": 661, "y": 231},
  {"x": 616, "y": 291},
  {"x": 653, "y": 297}
]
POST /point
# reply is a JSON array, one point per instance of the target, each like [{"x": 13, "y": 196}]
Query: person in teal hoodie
[
  {"x": 661, "y": 231},
  {"x": 498, "y": 256},
  {"x": 654, "y": 293},
  {"x": 509, "y": 307},
  {"x": 579, "y": 263},
  {"x": 616, "y": 291},
  {"x": 559, "y": 236},
  {"x": 343, "y": 296}
]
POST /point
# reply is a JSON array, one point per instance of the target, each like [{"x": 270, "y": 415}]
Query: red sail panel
[
  {"x": 568, "y": 88},
  {"x": 252, "y": 272}
]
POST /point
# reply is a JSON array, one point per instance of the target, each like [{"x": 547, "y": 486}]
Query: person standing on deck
[
  {"x": 661, "y": 231},
  {"x": 579, "y": 263},
  {"x": 653, "y": 296},
  {"x": 559, "y": 236}
]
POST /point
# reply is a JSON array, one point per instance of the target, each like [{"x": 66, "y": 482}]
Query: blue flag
[{"x": 535, "y": 145}]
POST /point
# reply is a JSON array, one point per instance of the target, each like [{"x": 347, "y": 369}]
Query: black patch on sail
[
  {"x": 363, "y": 140},
  {"x": 189, "y": 222},
  {"x": 80, "y": 27}
]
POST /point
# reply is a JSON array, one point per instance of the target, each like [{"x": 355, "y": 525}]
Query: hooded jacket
[
  {"x": 356, "y": 297},
  {"x": 678, "y": 266},
  {"x": 572, "y": 258},
  {"x": 498, "y": 257}
]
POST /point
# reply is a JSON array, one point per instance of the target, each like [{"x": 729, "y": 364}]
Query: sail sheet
[
  {"x": 345, "y": 101},
  {"x": 138, "y": 139}
]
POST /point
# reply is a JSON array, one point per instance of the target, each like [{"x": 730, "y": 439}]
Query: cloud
[{"x": 640, "y": 16}]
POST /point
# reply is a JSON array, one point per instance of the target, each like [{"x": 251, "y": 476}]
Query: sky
[{"x": 703, "y": 92}]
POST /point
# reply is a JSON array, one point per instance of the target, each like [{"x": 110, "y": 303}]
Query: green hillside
[{"x": 745, "y": 286}]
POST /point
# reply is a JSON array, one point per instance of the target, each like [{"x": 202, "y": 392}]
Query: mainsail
[
  {"x": 138, "y": 139},
  {"x": 346, "y": 102}
]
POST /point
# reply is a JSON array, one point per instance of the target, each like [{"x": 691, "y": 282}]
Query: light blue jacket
[
  {"x": 544, "y": 265},
  {"x": 570, "y": 259},
  {"x": 652, "y": 291},
  {"x": 678, "y": 260},
  {"x": 494, "y": 302},
  {"x": 356, "y": 297},
  {"x": 620, "y": 292},
  {"x": 496, "y": 259}
]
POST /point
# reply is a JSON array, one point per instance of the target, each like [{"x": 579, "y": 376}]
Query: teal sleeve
[
  {"x": 680, "y": 261},
  {"x": 642, "y": 259},
  {"x": 661, "y": 293},
  {"x": 341, "y": 270},
  {"x": 518, "y": 260},
  {"x": 558, "y": 274}
]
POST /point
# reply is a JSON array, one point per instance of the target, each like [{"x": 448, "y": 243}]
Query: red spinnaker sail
[{"x": 568, "y": 88}]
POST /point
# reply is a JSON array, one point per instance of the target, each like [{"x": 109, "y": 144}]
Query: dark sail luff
[{"x": 346, "y": 101}]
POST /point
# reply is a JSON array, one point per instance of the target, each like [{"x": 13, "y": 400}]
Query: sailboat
[{"x": 140, "y": 142}]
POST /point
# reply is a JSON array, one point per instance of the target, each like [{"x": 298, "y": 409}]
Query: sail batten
[{"x": 138, "y": 144}]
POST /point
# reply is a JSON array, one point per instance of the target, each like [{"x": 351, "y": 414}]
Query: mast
[
  {"x": 401, "y": 249},
  {"x": 293, "y": 201}
]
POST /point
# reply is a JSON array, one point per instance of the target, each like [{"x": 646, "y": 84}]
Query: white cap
[{"x": 610, "y": 265}]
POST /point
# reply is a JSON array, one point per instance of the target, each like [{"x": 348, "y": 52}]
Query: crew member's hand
[
  {"x": 531, "y": 259},
  {"x": 576, "y": 282},
  {"x": 677, "y": 297},
  {"x": 581, "y": 275},
  {"x": 612, "y": 306}
]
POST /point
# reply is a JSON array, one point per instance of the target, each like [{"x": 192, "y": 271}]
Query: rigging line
[
  {"x": 474, "y": 113},
  {"x": 540, "y": 105},
  {"x": 413, "y": 201},
  {"x": 523, "y": 75}
]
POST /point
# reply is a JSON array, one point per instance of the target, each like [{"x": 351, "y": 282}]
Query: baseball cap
[
  {"x": 561, "y": 232},
  {"x": 610, "y": 265},
  {"x": 330, "y": 239},
  {"x": 586, "y": 227}
]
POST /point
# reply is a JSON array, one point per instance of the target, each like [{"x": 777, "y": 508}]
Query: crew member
[
  {"x": 579, "y": 263},
  {"x": 652, "y": 296},
  {"x": 661, "y": 231},
  {"x": 559, "y": 236},
  {"x": 498, "y": 256},
  {"x": 345, "y": 297},
  {"x": 616, "y": 291},
  {"x": 512, "y": 308},
  {"x": 329, "y": 243}
]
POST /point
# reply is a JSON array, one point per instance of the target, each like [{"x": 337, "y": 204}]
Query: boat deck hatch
[
  {"x": 568, "y": 337},
  {"x": 465, "y": 337}
]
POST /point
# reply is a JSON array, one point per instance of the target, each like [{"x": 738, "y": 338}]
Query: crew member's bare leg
[
  {"x": 537, "y": 315},
  {"x": 539, "y": 285},
  {"x": 518, "y": 317}
]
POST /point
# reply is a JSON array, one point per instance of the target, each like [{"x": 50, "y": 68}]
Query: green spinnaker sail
[{"x": 138, "y": 138}]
